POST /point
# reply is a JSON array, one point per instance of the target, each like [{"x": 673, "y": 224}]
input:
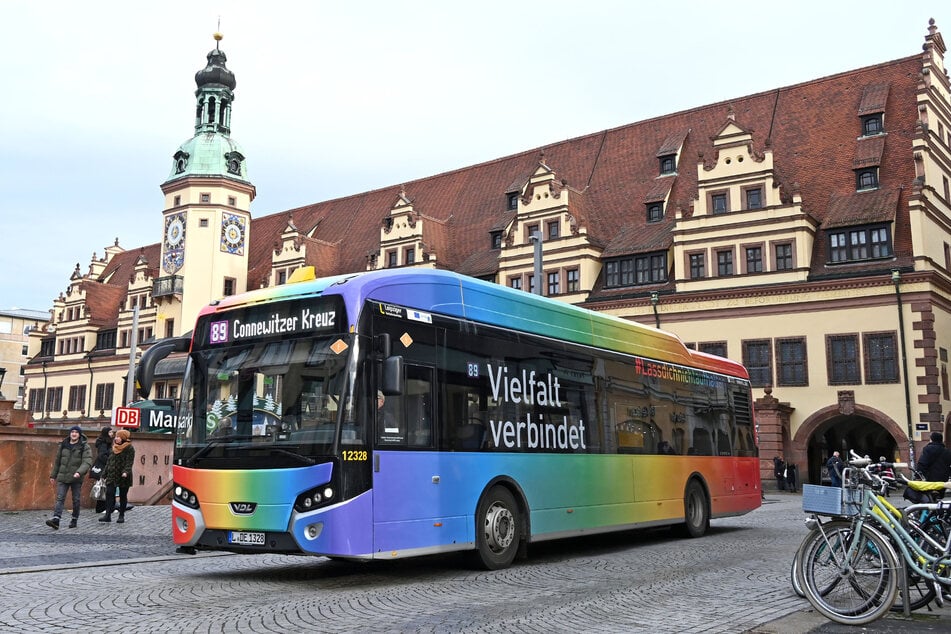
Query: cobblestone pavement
[{"x": 126, "y": 578}]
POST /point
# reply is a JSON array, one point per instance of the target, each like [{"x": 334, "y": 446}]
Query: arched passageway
[{"x": 864, "y": 430}]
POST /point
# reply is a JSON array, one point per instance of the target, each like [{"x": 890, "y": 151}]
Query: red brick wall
[{"x": 26, "y": 457}]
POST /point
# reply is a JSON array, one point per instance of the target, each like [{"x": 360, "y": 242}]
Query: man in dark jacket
[
  {"x": 935, "y": 461},
  {"x": 73, "y": 460}
]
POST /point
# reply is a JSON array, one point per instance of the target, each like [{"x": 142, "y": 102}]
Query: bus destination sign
[{"x": 274, "y": 320}]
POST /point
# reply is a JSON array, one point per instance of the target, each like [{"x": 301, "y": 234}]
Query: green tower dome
[{"x": 212, "y": 151}]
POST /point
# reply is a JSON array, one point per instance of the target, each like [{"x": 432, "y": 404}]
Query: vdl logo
[{"x": 243, "y": 508}]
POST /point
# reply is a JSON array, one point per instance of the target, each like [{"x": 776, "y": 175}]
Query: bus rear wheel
[
  {"x": 498, "y": 529},
  {"x": 696, "y": 510}
]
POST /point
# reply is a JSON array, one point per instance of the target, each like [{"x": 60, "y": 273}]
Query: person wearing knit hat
[
  {"x": 73, "y": 460},
  {"x": 118, "y": 473}
]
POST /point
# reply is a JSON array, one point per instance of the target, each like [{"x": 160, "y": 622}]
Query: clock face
[
  {"x": 233, "y": 228},
  {"x": 233, "y": 233},
  {"x": 175, "y": 232}
]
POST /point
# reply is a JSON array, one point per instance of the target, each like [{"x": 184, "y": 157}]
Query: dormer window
[
  {"x": 866, "y": 178},
  {"x": 872, "y": 124},
  {"x": 511, "y": 202},
  {"x": 856, "y": 244},
  {"x": 668, "y": 164},
  {"x": 496, "y": 237},
  {"x": 655, "y": 212}
]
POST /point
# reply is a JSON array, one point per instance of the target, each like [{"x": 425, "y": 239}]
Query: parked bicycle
[{"x": 851, "y": 567}]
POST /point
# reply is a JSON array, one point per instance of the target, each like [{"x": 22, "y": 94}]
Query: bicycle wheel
[
  {"x": 848, "y": 577},
  {"x": 794, "y": 570}
]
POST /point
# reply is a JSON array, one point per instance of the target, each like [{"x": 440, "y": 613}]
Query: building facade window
[
  {"x": 54, "y": 399},
  {"x": 169, "y": 328},
  {"x": 104, "y": 393},
  {"x": 866, "y": 178},
  {"x": 511, "y": 202},
  {"x": 698, "y": 266},
  {"x": 77, "y": 398},
  {"x": 860, "y": 243},
  {"x": 496, "y": 239},
  {"x": 232, "y": 201},
  {"x": 872, "y": 124},
  {"x": 655, "y": 212},
  {"x": 37, "y": 398},
  {"x": 713, "y": 347},
  {"x": 724, "y": 263},
  {"x": 718, "y": 203},
  {"x": 649, "y": 268},
  {"x": 754, "y": 198},
  {"x": 754, "y": 259},
  {"x": 842, "y": 359},
  {"x": 554, "y": 283},
  {"x": 229, "y": 286},
  {"x": 391, "y": 261},
  {"x": 758, "y": 361},
  {"x": 553, "y": 229},
  {"x": 531, "y": 230},
  {"x": 531, "y": 283},
  {"x": 784, "y": 259},
  {"x": 410, "y": 255},
  {"x": 881, "y": 358},
  {"x": 205, "y": 198},
  {"x": 516, "y": 282},
  {"x": 791, "y": 367},
  {"x": 573, "y": 280}
]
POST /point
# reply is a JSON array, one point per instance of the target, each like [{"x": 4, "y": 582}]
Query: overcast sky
[{"x": 335, "y": 98}]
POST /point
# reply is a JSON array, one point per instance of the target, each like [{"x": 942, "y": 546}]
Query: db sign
[{"x": 126, "y": 417}]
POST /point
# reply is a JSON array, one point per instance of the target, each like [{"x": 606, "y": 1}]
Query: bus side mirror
[
  {"x": 145, "y": 370},
  {"x": 393, "y": 375}
]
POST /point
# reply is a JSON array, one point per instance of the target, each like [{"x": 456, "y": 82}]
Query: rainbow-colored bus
[{"x": 410, "y": 412}]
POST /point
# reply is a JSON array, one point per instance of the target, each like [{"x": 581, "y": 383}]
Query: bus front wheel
[
  {"x": 498, "y": 530},
  {"x": 696, "y": 510}
]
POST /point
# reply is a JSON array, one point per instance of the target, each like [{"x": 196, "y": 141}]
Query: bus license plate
[{"x": 246, "y": 539}]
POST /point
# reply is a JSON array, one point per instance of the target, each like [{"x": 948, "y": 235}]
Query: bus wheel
[
  {"x": 497, "y": 529},
  {"x": 696, "y": 510}
]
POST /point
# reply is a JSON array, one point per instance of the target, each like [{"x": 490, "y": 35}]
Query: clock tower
[{"x": 207, "y": 208}]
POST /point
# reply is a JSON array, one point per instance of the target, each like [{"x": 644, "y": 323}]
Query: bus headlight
[
  {"x": 308, "y": 500},
  {"x": 184, "y": 496}
]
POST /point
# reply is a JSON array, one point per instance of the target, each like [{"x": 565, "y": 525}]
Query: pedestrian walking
[
  {"x": 935, "y": 461},
  {"x": 72, "y": 462},
  {"x": 834, "y": 465},
  {"x": 101, "y": 453},
  {"x": 779, "y": 471},
  {"x": 118, "y": 473}
]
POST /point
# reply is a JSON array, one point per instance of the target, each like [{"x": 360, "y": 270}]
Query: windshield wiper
[
  {"x": 214, "y": 442},
  {"x": 293, "y": 454}
]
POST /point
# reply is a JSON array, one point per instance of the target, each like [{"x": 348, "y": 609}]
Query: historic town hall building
[{"x": 805, "y": 231}]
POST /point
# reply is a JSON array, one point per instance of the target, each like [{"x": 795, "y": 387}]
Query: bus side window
[{"x": 411, "y": 423}]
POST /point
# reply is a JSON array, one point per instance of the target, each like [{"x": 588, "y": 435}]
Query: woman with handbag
[
  {"x": 118, "y": 473},
  {"x": 101, "y": 452}
]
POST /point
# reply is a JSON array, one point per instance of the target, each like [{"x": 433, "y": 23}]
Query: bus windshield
[{"x": 267, "y": 404}]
